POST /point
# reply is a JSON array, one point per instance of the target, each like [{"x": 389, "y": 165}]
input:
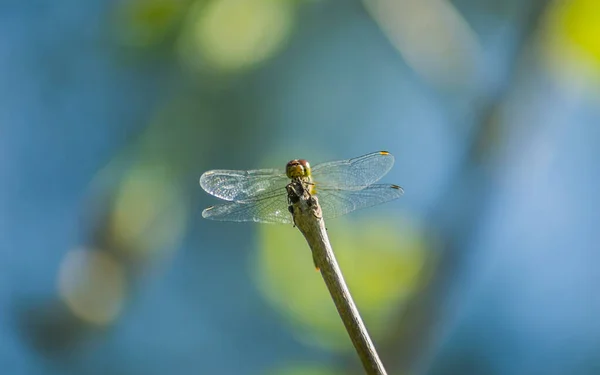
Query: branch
[{"x": 309, "y": 220}]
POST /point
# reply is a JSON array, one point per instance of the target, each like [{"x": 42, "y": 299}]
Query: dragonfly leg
[
  {"x": 294, "y": 191},
  {"x": 291, "y": 210}
]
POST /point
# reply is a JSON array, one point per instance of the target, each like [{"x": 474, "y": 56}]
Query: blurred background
[{"x": 111, "y": 110}]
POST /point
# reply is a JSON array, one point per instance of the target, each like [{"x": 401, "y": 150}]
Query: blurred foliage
[
  {"x": 444, "y": 50},
  {"x": 572, "y": 42},
  {"x": 381, "y": 260},
  {"x": 146, "y": 23},
  {"x": 580, "y": 22}
]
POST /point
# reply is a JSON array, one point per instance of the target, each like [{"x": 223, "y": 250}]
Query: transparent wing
[
  {"x": 335, "y": 202},
  {"x": 269, "y": 208},
  {"x": 353, "y": 174},
  {"x": 242, "y": 185}
]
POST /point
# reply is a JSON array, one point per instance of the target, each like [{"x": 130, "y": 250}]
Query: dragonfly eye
[{"x": 297, "y": 168}]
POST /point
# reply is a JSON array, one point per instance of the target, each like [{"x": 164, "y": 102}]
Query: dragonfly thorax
[{"x": 297, "y": 168}]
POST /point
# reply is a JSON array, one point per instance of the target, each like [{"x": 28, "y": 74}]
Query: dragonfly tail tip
[{"x": 398, "y": 188}]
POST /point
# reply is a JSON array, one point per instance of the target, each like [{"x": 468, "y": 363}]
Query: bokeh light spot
[
  {"x": 230, "y": 34},
  {"x": 150, "y": 213},
  {"x": 92, "y": 284},
  {"x": 381, "y": 260}
]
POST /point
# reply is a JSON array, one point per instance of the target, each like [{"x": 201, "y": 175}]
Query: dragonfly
[{"x": 260, "y": 195}]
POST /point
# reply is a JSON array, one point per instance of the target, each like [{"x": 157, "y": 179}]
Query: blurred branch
[
  {"x": 309, "y": 220},
  {"x": 456, "y": 222}
]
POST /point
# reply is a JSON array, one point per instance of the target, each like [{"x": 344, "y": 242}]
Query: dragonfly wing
[
  {"x": 353, "y": 174},
  {"x": 242, "y": 185},
  {"x": 271, "y": 208},
  {"x": 335, "y": 202}
]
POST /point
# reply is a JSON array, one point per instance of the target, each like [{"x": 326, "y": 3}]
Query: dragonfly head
[{"x": 297, "y": 168}]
